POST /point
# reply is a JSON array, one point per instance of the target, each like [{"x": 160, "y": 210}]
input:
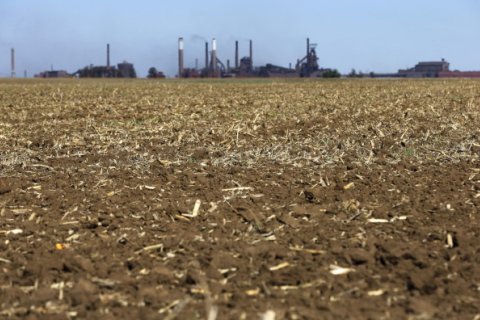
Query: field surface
[{"x": 240, "y": 199}]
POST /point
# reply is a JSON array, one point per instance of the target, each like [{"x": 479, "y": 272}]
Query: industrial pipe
[
  {"x": 180, "y": 57},
  {"x": 206, "y": 56},
  {"x": 251, "y": 55},
  {"x": 108, "y": 55},
  {"x": 236, "y": 54},
  {"x": 214, "y": 54},
  {"x": 13, "y": 62}
]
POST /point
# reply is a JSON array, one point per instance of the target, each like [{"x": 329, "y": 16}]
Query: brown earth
[{"x": 318, "y": 199}]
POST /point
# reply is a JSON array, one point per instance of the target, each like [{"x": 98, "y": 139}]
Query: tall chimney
[
  {"x": 236, "y": 54},
  {"x": 206, "y": 56},
  {"x": 251, "y": 55},
  {"x": 180, "y": 57},
  {"x": 196, "y": 63},
  {"x": 228, "y": 65},
  {"x": 214, "y": 54},
  {"x": 13, "y": 62},
  {"x": 308, "y": 46},
  {"x": 108, "y": 55}
]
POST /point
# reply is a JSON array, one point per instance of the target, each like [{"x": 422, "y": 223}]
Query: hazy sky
[{"x": 368, "y": 35}]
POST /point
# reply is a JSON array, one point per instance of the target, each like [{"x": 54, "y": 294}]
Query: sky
[{"x": 367, "y": 35}]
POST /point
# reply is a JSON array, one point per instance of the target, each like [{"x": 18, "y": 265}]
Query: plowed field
[{"x": 240, "y": 199}]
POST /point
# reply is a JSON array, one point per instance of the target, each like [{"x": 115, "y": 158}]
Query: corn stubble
[{"x": 239, "y": 199}]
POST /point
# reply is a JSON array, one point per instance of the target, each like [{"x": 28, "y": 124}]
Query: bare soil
[{"x": 316, "y": 199}]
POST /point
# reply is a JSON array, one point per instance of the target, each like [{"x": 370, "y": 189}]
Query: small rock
[{"x": 309, "y": 196}]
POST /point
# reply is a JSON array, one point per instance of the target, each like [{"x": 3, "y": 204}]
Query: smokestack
[
  {"x": 236, "y": 54},
  {"x": 251, "y": 54},
  {"x": 108, "y": 55},
  {"x": 196, "y": 63},
  {"x": 206, "y": 55},
  {"x": 180, "y": 57},
  {"x": 228, "y": 65},
  {"x": 13, "y": 62},
  {"x": 214, "y": 54},
  {"x": 308, "y": 46}
]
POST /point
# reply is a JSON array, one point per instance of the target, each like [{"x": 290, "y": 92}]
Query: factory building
[
  {"x": 308, "y": 65},
  {"x": 273, "y": 71},
  {"x": 122, "y": 70},
  {"x": 430, "y": 69},
  {"x": 126, "y": 70},
  {"x": 244, "y": 67},
  {"x": 53, "y": 74},
  {"x": 459, "y": 74},
  {"x": 433, "y": 66}
]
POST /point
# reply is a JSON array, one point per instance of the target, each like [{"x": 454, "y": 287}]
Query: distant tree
[
  {"x": 352, "y": 74},
  {"x": 331, "y": 74},
  {"x": 152, "y": 72},
  {"x": 355, "y": 74}
]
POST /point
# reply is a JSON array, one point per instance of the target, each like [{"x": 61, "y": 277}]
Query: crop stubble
[{"x": 239, "y": 199}]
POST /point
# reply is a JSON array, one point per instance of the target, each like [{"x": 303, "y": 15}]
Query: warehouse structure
[{"x": 428, "y": 69}]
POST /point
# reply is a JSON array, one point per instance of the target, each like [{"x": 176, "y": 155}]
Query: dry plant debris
[{"x": 239, "y": 199}]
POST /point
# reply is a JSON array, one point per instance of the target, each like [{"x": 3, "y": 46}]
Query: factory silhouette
[
  {"x": 244, "y": 68},
  {"x": 306, "y": 67}
]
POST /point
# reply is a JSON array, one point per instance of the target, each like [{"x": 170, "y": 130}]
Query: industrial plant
[
  {"x": 427, "y": 69},
  {"x": 214, "y": 67},
  {"x": 243, "y": 67},
  {"x": 121, "y": 70}
]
